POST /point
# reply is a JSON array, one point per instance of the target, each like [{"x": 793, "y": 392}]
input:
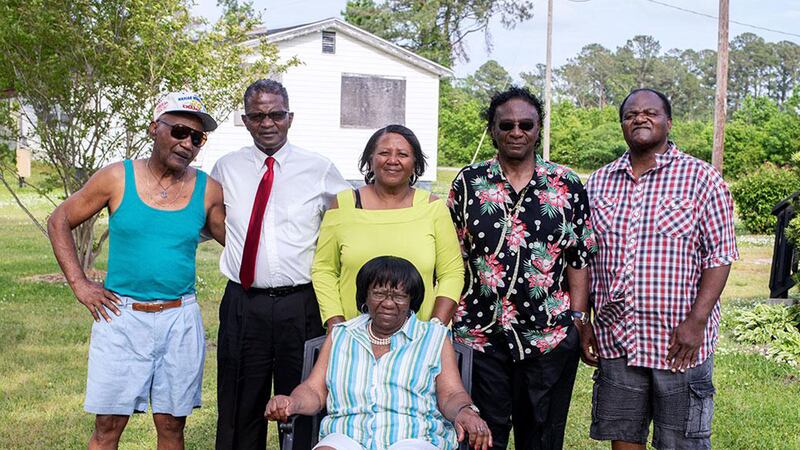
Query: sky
[{"x": 576, "y": 23}]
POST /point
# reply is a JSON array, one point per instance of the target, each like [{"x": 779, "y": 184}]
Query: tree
[
  {"x": 534, "y": 80},
  {"x": 786, "y": 75},
  {"x": 435, "y": 29},
  {"x": 592, "y": 78},
  {"x": 639, "y": 58},
  {"x": 751, "y": 61},
  {"x": 490, "y": 77},
  {"x": 87, "y": 74},
  {"x": 694, "y": 87},
  {"x": 689, "y": 96}
]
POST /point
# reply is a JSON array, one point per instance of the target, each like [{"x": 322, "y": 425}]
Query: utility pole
[
  {"x": 722, "y": 87},
  {"x": 548, "y": 82}
]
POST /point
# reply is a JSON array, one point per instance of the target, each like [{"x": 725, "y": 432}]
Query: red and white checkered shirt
[{"x": 655, "y": 236}]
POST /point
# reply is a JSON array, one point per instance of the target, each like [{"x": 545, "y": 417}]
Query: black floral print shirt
[{"x": 516, "y": 246}]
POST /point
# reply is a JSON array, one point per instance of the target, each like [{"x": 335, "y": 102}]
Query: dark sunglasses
[
  {"x": 181, "y": 132},
  {"x": 275, "y": 116},
  {"x": 526, "y": 125}
]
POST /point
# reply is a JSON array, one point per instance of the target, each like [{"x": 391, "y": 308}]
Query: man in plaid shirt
[{"x": 664, "y": 227}]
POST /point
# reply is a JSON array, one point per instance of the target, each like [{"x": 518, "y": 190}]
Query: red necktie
[{"x": 248, "y": 268}]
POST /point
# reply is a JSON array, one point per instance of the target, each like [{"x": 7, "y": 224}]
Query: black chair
[
  {"x": 785, "y": 254},
  {"x": 310, "y": 355}
]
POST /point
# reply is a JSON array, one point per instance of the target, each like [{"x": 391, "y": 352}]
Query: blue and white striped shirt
[{"x": 379, "y": 402}]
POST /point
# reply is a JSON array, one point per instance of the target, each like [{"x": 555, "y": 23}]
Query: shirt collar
[
  {"x": 358, "y": 328},
  {"x": 662, "y": 159},
  {"x": 280, "y": 156},
  {"x": 494, "y": 171},
  {"x": 621, "y": 163},
  {"x": 410, "y": 327},
  {"x": 666, "y": 158}
]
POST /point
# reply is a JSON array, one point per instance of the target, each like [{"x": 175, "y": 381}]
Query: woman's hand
[
  {"x": 280, "y": 408},
  {"x": 469, "y": 422}
]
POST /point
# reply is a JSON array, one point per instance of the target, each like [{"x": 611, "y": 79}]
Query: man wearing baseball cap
[{"x": 147, "y": 345}]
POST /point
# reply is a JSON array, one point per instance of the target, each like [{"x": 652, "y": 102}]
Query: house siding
[{"x": 314, "y": 89}]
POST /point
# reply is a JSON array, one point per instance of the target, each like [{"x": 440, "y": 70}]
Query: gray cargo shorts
[{"x": 626, "y": 399}]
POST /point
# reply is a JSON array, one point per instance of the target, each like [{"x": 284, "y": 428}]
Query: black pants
[
  {"x": 261, "y": 339},
  {"x": 532, "y": 394}
]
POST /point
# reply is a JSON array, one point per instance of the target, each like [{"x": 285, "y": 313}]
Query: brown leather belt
[{"x": 156, "y": 307}]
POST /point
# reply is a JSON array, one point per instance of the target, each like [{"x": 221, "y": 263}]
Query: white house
[{"x": 349, "y": 84}]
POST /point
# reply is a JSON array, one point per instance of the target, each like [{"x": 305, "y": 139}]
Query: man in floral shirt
[
  {"x": 664, "y": 223},
  {"x": 526, "y": 237}
]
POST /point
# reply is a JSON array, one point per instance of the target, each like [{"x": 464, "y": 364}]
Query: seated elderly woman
[{"x": 390, "y": 381}]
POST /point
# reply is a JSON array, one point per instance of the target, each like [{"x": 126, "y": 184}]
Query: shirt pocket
[
  {"x": 675, "y": 217},
  {"x": 602, "y": 213}
]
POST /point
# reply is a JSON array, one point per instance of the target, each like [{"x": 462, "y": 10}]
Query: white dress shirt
[{"x": 305, "y": 183}]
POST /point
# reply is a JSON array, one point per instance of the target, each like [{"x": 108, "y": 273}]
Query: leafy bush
[
  {"x": 599, "y": 146},
  {"x": 693, "y": 137},
  {"x": 743, "y": 149},
  {"x": 757, "y": 193},
  {"x": 775, "y": 326},
  {"x": 585, "y": 138},
  {"x": 793, "y": 231},
  {"x": 760, "y": 132},
  {"x": 460, "y": 128}
]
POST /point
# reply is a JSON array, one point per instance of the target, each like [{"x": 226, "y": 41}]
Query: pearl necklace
[{"x": 374, "y": 340}]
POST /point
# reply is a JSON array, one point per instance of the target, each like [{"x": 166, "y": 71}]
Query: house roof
[{"x": 335, "y": 24}]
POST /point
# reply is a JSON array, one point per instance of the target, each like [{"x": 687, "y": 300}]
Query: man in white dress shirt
[{"x": 275, "y": 196}]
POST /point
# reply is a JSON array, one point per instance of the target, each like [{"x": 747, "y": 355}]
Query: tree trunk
[{"x": 85, "y": 245}]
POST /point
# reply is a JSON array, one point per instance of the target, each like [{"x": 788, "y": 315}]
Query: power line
[{"x": 711, "y": 16}]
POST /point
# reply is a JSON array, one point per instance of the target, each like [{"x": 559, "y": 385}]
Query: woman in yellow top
[{"x": 388, "y": 216}]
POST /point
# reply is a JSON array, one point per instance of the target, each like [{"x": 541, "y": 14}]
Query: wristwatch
[
  {"x": 436, "y": 320},
  {"x": 580, "y": 316}
]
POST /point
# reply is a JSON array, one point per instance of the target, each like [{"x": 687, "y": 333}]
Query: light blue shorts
[{"x": 147, "y": 357}]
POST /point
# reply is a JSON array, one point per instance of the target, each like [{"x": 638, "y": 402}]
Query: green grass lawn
[{"x": 44, "y": 336}]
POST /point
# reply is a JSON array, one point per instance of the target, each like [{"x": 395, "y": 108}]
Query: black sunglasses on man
[{"x": 181, "y": 132}]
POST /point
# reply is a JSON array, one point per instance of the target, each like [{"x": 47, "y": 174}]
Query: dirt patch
[
  {"x": 760, "y": 261},
  {"x": 52, "y": 278}
]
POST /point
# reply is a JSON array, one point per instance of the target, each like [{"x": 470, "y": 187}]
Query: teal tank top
[{"x": 151, "y": 252}]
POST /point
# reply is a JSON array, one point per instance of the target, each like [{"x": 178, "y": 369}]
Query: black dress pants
[
  {"x": 533, "y": 395},
  {"x": 261, "y": 340}
]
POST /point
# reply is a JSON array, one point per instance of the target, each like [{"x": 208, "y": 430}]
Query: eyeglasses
[
  {"x": 525, "y": 125},
  {"x": 181, "y": 132},
  {"x": 398, "y": 297},
  {"x": 275, "y": 116}
]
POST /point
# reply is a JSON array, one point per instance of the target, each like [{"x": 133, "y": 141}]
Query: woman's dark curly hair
[
  {"x": 419, "y": 158},
  {"x": 392, "y": 272}
]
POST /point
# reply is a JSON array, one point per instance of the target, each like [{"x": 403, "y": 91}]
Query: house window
[
  {"x": 372, "y": 102},
  {"x": 237, "y": 115},
  {"x": 329, "y": 42}
]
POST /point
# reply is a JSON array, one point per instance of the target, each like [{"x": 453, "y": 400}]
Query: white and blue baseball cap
[{"x": 187, "y": 103}]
